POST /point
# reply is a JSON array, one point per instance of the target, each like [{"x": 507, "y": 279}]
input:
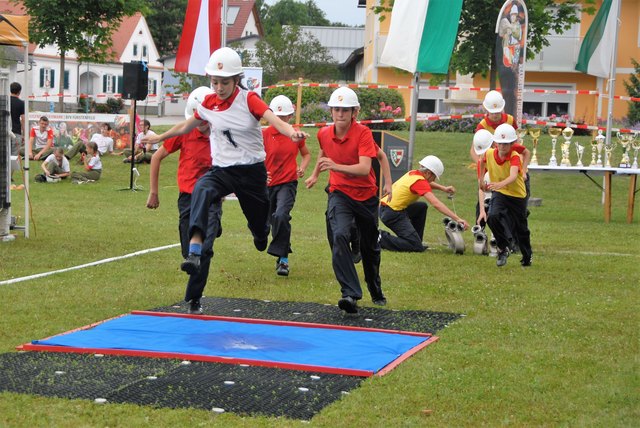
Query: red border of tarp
[{"x": 228, "y": 360}]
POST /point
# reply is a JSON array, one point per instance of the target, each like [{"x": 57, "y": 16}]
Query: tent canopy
[{"x": 14, "y": 30}]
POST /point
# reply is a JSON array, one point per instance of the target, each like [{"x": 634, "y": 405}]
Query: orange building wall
[{"x": 586, "y": 106}]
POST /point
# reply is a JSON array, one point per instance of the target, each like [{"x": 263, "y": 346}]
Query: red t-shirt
[
  {"x": 195, "y": 157},
  {"x": 420, "y": 187},
  {"x": 347, "y": 151},
  {"x": 282, "y": 154}
]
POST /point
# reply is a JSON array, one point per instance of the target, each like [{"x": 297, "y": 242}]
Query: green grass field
[{"x": 556, "y": 344}]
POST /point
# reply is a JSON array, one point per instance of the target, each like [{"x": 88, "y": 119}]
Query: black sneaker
[
  {"x": 260, "y": 243},
  {"x": 282, "y": 269},
  {"x": 191, "y": 264},
  {"x": 526, "y": 261},
  {"x": 194, "y": 307},
  {"x": 356, "y": 257},
  {"x": 348, "y": 304},
  {"x": 503, "y": 255},
  {"x": 380, "y": 302}
]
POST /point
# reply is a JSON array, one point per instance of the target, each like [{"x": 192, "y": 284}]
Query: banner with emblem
[{"x": 511, "y": 53}]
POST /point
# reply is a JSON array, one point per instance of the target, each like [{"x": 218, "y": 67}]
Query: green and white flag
[
  {"x": 422, "y": 35},
  {"x": 596, "y": 52}
]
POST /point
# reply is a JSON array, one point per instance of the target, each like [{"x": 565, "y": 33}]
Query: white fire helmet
[
  {"x": 224, "y": 62},
  {"x": 482, "y": 141},
  {"x": 433, "y": 164},
  {"x": 505, "y": 133},
  {"x": 493, "y": 102},
  {"x": 281, "y": 106},
  {"x": 343, "y": 97},
  {"x": 196, "y": 97}
]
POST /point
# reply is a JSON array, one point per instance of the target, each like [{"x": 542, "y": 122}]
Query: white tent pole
[
  {"x": 612, "y": 73},
  {"x": 25, "y": 135}
]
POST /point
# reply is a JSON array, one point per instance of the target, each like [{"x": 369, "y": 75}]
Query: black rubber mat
[
  {"x": 418, "y": 321},
  {"x": 158, "y": 382},
  {"x": 240, "y": 389}
]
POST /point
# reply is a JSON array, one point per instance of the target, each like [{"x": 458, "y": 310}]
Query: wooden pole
[{"x": 299, "y": 101}]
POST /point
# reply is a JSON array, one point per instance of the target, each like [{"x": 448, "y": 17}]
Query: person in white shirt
[
  {"x": 92, "y": 166},
  {"x": 40, "y": 141},
  {"x": 56, "y": 165},
  {"x": 104, "y": 140},
  {"x": 144, "y": 152},
  {"x": 237, "y": 150}
]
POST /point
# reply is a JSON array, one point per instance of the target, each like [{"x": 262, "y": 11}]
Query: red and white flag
[{"x": 201, "y": 35}]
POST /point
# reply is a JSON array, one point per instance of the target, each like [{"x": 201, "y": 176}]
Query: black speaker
[{"x": 135, "y": 76}]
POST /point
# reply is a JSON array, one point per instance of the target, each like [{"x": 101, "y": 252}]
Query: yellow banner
[{"x": 14, "y": 30}]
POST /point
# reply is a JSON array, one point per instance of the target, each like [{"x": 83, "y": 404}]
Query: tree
[
  {"x": 475, "y": 52},
  {"x": 84, "y": 26},
  {"x": 165, "y": 23},
  {"x": 290, "y": 12},
  {"x": 290, "y": 53},
  {"x": 633, "y": 89}
]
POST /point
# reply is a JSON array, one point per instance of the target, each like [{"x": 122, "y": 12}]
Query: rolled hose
[{"x": 453, "y": 231}]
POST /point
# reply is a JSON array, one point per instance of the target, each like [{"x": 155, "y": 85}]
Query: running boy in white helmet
[
  {"x": 346, "y": 151},
  {"x": 508, "y": 201},
  {"x": 495, "y": 116},
  {"x": 234, "y": 115},
  {"x": 281, "y": 163}
]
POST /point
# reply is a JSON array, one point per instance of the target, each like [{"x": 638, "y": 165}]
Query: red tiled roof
[
  {"x": 236, "y": 31},
  {"x": 122, "y": 35}
]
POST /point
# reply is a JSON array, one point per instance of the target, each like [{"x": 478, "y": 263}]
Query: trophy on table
[
  {"x": 599, "y": 139},
  {"x": 555, "y": 133},
  {"x": 625, "y": 140},
  {"x": 535, "y": 134},
  {"x": 594, "y": 145},
  {"x": 635, "y": 145},
  {"x": 521, "y": 132},
  {"x": 567, "y": 133},
  {"x": 580, "y": 152},
  {"x": 609, "y": 145}
]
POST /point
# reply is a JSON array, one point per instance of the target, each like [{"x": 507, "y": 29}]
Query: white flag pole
[
  {"x": 612, "y": 73},
  {"x": 414, "y": 116},
  {"x": 223, "y": 22}
]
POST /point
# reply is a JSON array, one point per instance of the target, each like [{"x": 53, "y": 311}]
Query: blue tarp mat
[{"x": 342, "y": 349}]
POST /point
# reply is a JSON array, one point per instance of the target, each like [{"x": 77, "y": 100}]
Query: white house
[{"x": 131, "y": 41}]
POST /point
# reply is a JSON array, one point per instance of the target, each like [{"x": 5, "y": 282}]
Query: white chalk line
[
  {"x": 99, "y": 262},
  {"x": 166, "y": 247}
]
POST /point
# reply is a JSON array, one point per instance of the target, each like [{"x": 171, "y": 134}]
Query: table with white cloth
[{"x": 608, "y": 173}]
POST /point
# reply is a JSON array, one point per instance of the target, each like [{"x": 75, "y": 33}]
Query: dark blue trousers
[
  {"x": 281, "y": 200},
  {"x": 248, "y": 182},
  {"x": 197, "y": 281},
  {"x": 510, "y": 212},
  {"x": 341, "y": 213},
  {"x": 407, "y": 224}
]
